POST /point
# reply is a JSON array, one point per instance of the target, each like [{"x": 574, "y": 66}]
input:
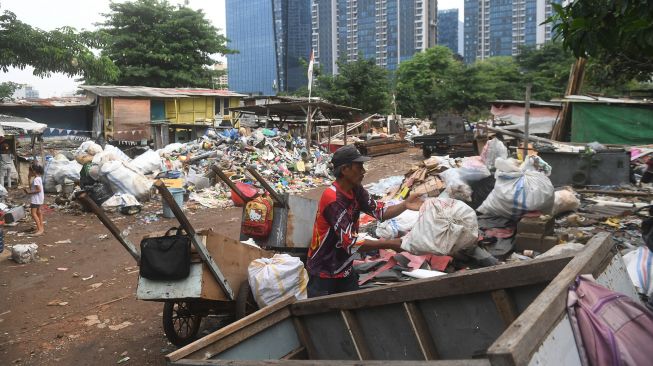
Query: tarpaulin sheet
[{"x": 611, "y": 124}]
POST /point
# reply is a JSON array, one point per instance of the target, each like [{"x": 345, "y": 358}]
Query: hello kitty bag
[{"x": 257, "y": 222}]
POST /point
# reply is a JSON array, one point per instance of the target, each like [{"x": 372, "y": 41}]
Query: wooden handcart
[{"x": 217, "y": 284}]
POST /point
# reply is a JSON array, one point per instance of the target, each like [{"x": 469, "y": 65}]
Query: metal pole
[{"x": 527, "y": 115}]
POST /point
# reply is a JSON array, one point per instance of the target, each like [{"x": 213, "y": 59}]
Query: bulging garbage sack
[
  {"x": 24, "y": 253},
  {"x": 56, "y": 171},
  {"x": 492, "y": 150},
  {"x": 397, "y": 226},
  {"x": 639, "y": 264},
  {"x": 273, "y": 278},
  {"x": 445, "y": 226},
  {"x": 518, "y": 191},
  {"x": 147, "y": 162},
  {"x": 86, "y": 151},
  {"x": 565, "y": 200},
  {"x": 124, "y": 179}
]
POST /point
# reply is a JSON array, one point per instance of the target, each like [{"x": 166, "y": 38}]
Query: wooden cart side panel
[
  {"x": 461, "y": 283},
  {"x": 524, "y": 336},
  {"x": 234, "y": 333},
  {"x": 233, "y": 258},
  {"x": 187, "y": 362},
  {"x": 329, "y": 335},
  {"x": 271, "y": 344}
]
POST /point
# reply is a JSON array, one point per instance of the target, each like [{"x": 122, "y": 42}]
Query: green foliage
[
  {"x": 61, "y": 50},
  {"x": 360, "y": 84},
  {"x": 7, "y": 89},
  {"x": 429, "y": 83},
  {"x": 619, "y": 34},
  {"x": 156, "y": 44},
  {"x": 546, "y": 68}
]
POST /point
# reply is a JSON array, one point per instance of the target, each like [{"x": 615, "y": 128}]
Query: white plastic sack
[
  {"x": 124, "y": 179},
  {"x": 456, "y": 187},
  {"x": 518, "y": 192},
  {"x": 117, "y": 152},
  {"x": 445, "y": 226},
  {"x": 147, "y": 162},
  {"x": 273, "y": 278},
  {"x": 397, "y": 226},
  {"x": 492, "y": 150},
  {"x": 24, "y": 253},
  {"x": 56, "y": 172},
  {"x": 120, "y": 200},
  {"x": 639, "y": 264},
  {"x": 565, "y": 200}
]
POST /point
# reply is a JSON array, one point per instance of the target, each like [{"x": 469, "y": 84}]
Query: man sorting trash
[{"x": 335, "y": 233}]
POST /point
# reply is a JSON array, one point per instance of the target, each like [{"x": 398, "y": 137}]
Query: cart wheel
[
  {"x": 179, "y": 323},
  {"x": 245, "y": 303}
]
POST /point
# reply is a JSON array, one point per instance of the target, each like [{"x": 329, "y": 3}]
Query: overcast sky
[{"x": 83, "y": 14}]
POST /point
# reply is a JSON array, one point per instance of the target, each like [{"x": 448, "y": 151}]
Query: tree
[
  {"x": 61, "y": 50},
  {"x": 156, "y": 44},
  {"x": 428, "y": 83},
  {"x": 546, "y": 68},
  {"x": 7, "y": 89},
  {"x": 360, "y": 84},
  {"x": 617, "y": 33}
]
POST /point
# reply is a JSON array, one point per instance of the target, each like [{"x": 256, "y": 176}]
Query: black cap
[{"x": 348, "y": 154}]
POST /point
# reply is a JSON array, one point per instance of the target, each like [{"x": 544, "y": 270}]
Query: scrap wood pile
[
  {"x": 490, "y": 209},
  {"x": 113, "y": 179}
]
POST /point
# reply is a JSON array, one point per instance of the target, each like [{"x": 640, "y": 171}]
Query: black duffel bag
[{"x": 166, "y": 258}]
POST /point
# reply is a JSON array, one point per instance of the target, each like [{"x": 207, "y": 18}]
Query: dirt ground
[{"x": 77, "y": 305}]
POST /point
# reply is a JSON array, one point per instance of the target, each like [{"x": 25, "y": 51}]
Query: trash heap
[{"x": 113, "y": 179}]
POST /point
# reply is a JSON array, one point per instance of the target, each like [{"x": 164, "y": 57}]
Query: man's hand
[{"x": 414, "y": 202}]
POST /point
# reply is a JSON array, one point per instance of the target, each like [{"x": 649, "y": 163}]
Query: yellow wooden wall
[{"x": 190, "y": 110}]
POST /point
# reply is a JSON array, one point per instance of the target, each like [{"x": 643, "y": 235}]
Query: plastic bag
[
  {"x": 273, "y": 278},
  {"x": 565, "y": 200},
  {"x": 492, "y": 150},
  {"x": 56, "y": 171},
  {"x": 147, "y": 162},
  {"x": 639, "y": 264},
  {"x": 24, "y": 253},
  {"x": 85, "y": 152},
  {"x": 456, "y": 187},
  {"x": 517, "y": 192},
  {"x": 445, "y": 227},
  {"x": 124, "y": 179},
  {"x": 397, "y": 226}
]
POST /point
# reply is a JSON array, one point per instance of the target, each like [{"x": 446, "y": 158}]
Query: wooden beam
[
  {"x": 298, "y": 354},
  {"x": 505, "y": 306},
  {"x": 460, "y": 283},
  {"x": 356, "y": 334},
  {"x": 304, "y": 337},
  {"x": 421, "y": 330},
  {"x": 232, "y": 328},
  {"x": 524, "y": 336}
]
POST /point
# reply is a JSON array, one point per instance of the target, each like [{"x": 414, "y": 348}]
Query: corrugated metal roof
[
  {"x": 149, "y": 92},
  {"x": 603, "y": 100},
  {"x": 532, "y": 103},
  {"x": 80, "y": 101}
]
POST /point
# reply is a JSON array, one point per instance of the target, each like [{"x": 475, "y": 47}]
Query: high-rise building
[
  {"x": 448, "y": 29},
  {"x": 26, "y": 92},
  {"x": 500, "y": 27},
  {"x": 388, "y": 31},
  {"x": 271, "y": 37}
]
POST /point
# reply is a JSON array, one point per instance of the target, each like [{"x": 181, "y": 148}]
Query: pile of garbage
[{"x": 113, "y": 179}]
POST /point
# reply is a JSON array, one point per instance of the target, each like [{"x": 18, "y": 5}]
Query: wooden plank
[
  {"x": 304, "y": 338},
  {"x": 231, "y": 329},
  {"x": 523, "y": 337},
  {"x": 188, "y": 362},
  {"x": 356, "y": 334},
  {"x": 421, "y": 330},
  {"x": 298, "y": 354},
  {"x": 460, "y": 283},
  {"x": 505, "y": 306}
]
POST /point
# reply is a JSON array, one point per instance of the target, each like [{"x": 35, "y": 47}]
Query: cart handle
[
  {"x": 277, "y": 198},
  {"x": 201, "y": 249},
  {"x": 83, "y": 198},
  {"x": 228, "y": 181}
]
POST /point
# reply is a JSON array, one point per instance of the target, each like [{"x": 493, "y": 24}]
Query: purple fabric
[{"x": 610, "y": 328}]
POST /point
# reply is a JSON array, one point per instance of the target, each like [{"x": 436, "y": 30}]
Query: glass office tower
[
  {"x": 448, "y": 29},
  {"x": 271, "y": 37}
]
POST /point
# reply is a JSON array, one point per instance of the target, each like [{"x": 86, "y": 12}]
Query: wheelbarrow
[
  {"x": 217, "y": 264},
  {"x": 292, "y": 220}
]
